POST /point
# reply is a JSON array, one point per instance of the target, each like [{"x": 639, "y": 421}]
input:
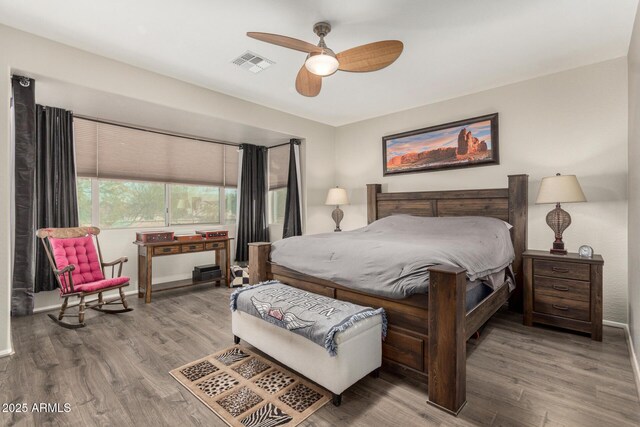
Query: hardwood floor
[{"x": 115, "y": 372}]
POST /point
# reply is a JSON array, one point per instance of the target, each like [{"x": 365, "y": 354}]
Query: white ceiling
[{"x": 452, "y": 47}]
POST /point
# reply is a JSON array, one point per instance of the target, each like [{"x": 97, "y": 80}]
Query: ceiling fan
[{"x": 323, "y": 62}]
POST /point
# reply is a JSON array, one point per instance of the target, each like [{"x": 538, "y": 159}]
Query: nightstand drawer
[
  {"x": 567, "y": 270},
  {"x": 562, "y": 288},
  {"x": 563, "y": 307}
]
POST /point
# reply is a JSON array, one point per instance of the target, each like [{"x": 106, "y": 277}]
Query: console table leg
[
  {"x": 149, "y": 277},
  {"x": 142, "y": 279},
  {"x": 227, "y": 263}
]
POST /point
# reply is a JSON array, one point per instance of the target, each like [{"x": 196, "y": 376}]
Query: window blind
[
  {"x": 117, "y": 152},
  {"x": 86, "y": 146},
  {"x": 278, "y": 167},
  {"x": 230, "y": 166}
]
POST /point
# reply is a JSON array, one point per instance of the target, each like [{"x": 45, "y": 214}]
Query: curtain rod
[
  {"x": 296, "y": 140},
  {"x": 178, "y": 135},
  {"x": 279, "y": 145}
]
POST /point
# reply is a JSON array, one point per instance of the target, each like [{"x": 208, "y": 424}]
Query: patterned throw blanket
[{"x": 315, "y": 317}]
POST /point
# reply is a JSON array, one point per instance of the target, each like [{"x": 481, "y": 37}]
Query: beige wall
[
  {"x": 574, "y": 122},
  {"x": 634, "y": 189},
  {"x": 24, "y": 53}
]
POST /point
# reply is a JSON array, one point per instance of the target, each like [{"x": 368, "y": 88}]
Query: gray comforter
[{"x": 390, "y": 257}]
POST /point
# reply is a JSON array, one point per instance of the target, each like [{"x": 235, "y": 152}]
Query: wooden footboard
[{"x": 427, "y": 334}]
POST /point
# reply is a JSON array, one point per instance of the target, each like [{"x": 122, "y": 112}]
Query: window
[
  {"x": 131, "y": 204},
  {"x": 231, "y": 205},
  {"x": 139, "y": 204},
  {"x": 278, "y": 176},
  {"x": 83, "y": 186},
  {"x": 277, "y": 203},
  {"x": 134, "y": 178},
  {"x": 191, "y": 204}
]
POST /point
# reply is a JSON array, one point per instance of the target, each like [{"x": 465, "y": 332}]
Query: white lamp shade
[
  {"x": 560, "y": 189},
  {"x": 322, "y": 64},
  {"x": 337, "y": 196}
]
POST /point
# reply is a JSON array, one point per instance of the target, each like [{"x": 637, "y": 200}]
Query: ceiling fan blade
[
  {"x": 285, "y": 41},
  {"x": 307, "y": 83},
  {"x": 370, "y": 57}
]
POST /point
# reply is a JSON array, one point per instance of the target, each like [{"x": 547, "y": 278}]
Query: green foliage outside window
[
  {"x": 138, "y": 204},
  {"x": 131, "y": 204},
  {"x": 231, "y": 204},
  {"x": 83, "y": 186}
]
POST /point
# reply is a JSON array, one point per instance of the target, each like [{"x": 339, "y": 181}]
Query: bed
[{"x": 427, "y": 332}]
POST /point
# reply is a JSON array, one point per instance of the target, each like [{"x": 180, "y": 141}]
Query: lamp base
[
  {"x": 558, "y": 220},
  {"x": 337, "y": 216},
  {"x": 558, "y": 248}
]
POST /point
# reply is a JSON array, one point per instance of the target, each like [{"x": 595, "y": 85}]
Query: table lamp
[
  {"x": 559, "y": 189},
  {"x": 337, "y": 196}
]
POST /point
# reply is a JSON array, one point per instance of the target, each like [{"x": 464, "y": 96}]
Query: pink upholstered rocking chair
[{"x": 79, "y": 270}]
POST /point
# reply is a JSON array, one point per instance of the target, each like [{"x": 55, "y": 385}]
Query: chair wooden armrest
[
  {"x": 116, "y": 262},
  {"x": 119, "y": 262},
  {"x": 67, "y": 269},
  {"x": 60, "y": 273}
]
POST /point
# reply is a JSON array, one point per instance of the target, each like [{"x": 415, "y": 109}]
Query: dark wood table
[{"x": 148, "y": 251}]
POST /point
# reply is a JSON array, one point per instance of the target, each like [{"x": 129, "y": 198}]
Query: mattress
[
  {"x": 391, "y": 257},
  {"x": 477, "y": 291}
]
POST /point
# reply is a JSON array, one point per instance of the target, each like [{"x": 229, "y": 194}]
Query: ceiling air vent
[{"x": 252, "y": 62}]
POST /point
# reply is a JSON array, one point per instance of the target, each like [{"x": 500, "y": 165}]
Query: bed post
[
  {"x": 518, "y": 206},
  {"x": 258, "y": 257},
  {"x": 372, "y": 201},
  {"x": 447, "y": 340}
]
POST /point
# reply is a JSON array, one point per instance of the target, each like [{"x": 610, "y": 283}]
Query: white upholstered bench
[{"x": 359, "y": 350}]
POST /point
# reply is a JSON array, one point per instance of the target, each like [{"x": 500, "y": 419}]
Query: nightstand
[{"x": 563, "y": 291}]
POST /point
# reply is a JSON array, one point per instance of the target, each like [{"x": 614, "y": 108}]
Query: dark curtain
[
  {"x": 24, "y": 107},
  {"x": 292, "y": 214},
  {"x": 56, "y": 199},
  {"x": 252, "y": 212}
]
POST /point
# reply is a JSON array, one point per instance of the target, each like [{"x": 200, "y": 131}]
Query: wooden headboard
[{"x": 508, "y": 204}]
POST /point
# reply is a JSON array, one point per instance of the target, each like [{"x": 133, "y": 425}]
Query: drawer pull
[
  {"x": 560, "y": 307},
  {"x": 560, "y": 288},
  {"x": 165, "y": 250},
  {"x": 192, "y": 247},
  {"x": 560, "y": 270}
]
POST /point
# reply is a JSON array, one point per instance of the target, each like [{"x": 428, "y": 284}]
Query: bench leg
[
  {"x": 336, "y": 399},
  {"x": 236, "y": 340},
  {"x": 375, "y": 373}
]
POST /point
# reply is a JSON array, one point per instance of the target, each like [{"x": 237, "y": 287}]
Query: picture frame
[{"x": 460, "y": 144}]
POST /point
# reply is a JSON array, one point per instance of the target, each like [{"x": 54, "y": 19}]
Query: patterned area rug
[{"x": 245, "y": 389}]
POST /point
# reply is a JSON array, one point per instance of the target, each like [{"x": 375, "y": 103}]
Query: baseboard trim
[
  {"x": 6, "y": 352},
  {"x": 634, "y": 360},
  {"x": 632, "y": 354},
  {"x": 615, "y": 324},
  {"x": 57, "y": 306}
]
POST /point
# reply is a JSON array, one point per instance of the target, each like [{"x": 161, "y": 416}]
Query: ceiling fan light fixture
[{"x": 321, "y": 64}]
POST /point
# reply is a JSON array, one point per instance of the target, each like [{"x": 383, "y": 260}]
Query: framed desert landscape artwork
[{"x": 465, "y": 143}]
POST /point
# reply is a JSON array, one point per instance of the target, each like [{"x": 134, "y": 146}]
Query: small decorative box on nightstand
[{"x": 563, "y": 291}]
